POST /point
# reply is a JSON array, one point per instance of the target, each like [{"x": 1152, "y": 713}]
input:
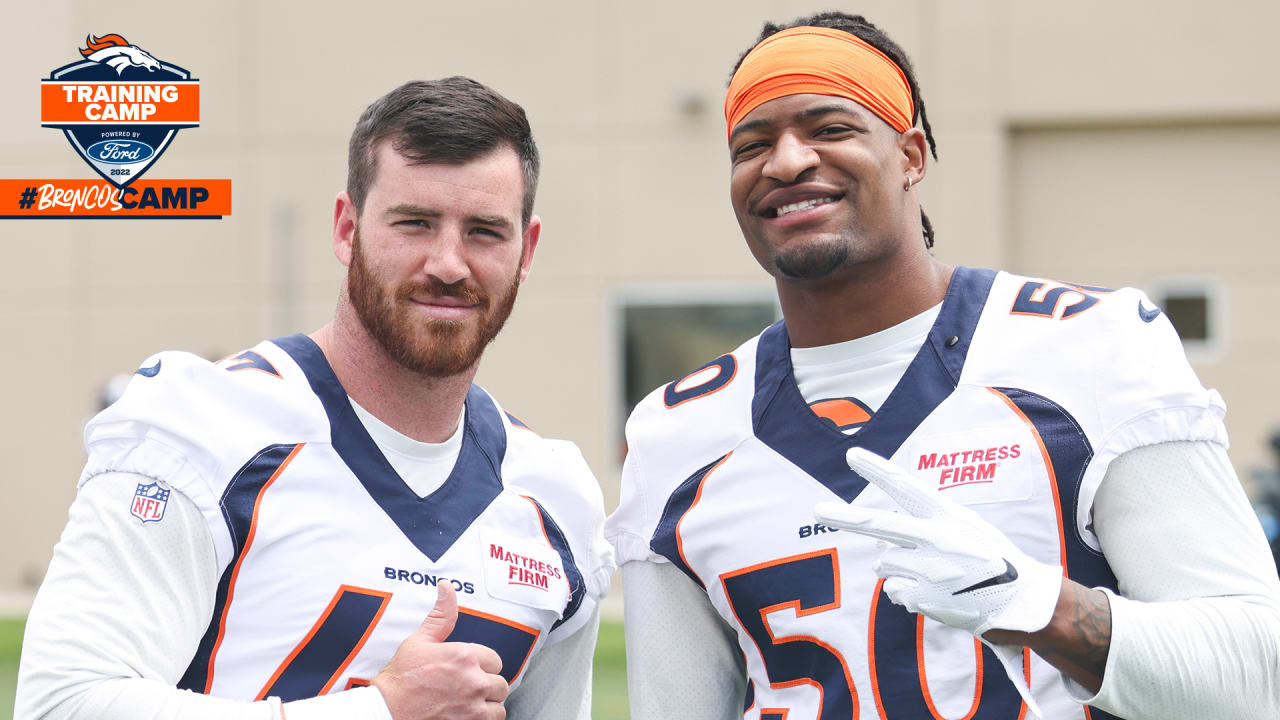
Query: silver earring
[{"x": 908, "y": 185}]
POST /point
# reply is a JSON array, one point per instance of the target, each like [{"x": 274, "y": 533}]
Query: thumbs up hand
[
  {"x": 429, "y": 678},
  {"x": 443, "y": 616}
]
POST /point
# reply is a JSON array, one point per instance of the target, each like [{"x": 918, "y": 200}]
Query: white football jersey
[
  {"x": 328, "y": 559},
  {"x": 1022, "y": 394}
]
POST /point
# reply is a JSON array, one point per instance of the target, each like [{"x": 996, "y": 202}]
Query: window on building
[
  {"x": 1189, "y": 315},
  {"x": 1194, "y": 308},
  {"x": 667, "y": 335},
  {"x": 664, "y": 342}
]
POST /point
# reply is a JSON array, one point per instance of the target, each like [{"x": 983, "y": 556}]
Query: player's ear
[
  {"x": 344, "y": 227},
  {"x": 915, "y": 154},
  {"x": 529, "y": 243}
]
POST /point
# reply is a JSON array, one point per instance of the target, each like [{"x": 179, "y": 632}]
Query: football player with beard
[{"x": 340, "y": 524}]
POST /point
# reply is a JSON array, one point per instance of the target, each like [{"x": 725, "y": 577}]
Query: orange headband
[{"x": 822, "y": 61}]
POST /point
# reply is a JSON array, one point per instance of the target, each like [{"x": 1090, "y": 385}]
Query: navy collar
[
  {"x": 782, "y": 419},
  {"x": 432, "y": 523}
]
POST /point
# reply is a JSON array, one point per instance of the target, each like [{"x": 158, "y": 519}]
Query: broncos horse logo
[{"x": 115, "y": 51}]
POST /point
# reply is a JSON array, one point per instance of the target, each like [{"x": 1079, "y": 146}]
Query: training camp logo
[
  {"x": 119, "y": 125},
  {"x": 120, "y": 108}
]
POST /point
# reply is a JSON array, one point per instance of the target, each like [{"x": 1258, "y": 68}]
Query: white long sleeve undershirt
[
  {"x": 1196, "y": 633},
  {"x": 124, "y": 604}
]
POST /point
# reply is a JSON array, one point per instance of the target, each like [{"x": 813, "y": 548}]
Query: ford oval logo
[{"x": 120, "y": 152}]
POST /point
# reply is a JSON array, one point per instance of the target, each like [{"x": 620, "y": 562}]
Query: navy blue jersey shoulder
[
  {"x": 665, "y": 541},
  {"x": 782, "y": 419},
  {"x": 432, "y": 523},
  {"x": 1070, "y": 453},
  {"x": 572, "y": 575}
]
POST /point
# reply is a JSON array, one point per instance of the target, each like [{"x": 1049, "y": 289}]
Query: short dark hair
[
  {"x": 453, "y": 120},
  {"x": 874, "y": 36}
]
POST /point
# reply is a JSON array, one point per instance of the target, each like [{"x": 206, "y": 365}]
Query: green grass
[
  {"x": 609, "y": 694},
  {"x": 10, "y": 649},
  {"x": 609, "y": 691}
]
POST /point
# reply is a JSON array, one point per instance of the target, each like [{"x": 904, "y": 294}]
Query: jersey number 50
[{"x": 809, "y": 584}]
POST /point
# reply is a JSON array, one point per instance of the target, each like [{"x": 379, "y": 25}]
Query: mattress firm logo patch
[
  {"x": 967, "y": 467},
  {"x": 120, "y": 108},
  {"x": 523, "y": 571}
]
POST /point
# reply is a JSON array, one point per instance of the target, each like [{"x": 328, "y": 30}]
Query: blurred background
[{"x": 1109, "y": 143}]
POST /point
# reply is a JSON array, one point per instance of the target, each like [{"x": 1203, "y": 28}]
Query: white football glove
[{"x": 945, "y": 561}]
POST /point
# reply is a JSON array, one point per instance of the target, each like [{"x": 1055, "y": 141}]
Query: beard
[
  {"x": 432, "y": 347},
  {"x": 810, "y": 261}
]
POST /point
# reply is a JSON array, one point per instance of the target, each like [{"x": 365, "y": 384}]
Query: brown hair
[{"x": 453, "y": 120}]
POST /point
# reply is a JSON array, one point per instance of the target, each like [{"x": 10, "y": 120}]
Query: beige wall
[
  {"x": 1159, "y": 205},
  {"x": 1103, "y": 141}
]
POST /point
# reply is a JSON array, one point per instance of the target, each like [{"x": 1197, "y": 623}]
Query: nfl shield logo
[{"x": 149, "y": 502}]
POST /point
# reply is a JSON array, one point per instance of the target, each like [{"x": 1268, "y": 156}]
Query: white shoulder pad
[
  {"x": 1110, "y": 358},
  {"x": 192, "y": 424},
  {"x": 554, "y": 473},
  {"x": 555, "y": 476},
  {"x": 676, "y": 430}
]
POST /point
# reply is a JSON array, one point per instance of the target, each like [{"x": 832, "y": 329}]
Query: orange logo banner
[
  {"x": 160, "y": 103},
  {"x": 89, "y": 199}
]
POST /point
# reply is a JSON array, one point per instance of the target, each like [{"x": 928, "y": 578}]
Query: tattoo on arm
[
  {"x": 1093, "y": 623},
  {"x": 1078, "y": 638}
]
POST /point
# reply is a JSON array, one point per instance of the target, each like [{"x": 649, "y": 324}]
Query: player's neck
[
  {"x": 865, "y": 300},
  {"x": 425, "y": 409}
]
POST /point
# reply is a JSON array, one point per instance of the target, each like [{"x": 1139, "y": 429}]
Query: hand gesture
[
  {"x": 430, "y": 679},
  {"x": 945, "y": 561}
]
